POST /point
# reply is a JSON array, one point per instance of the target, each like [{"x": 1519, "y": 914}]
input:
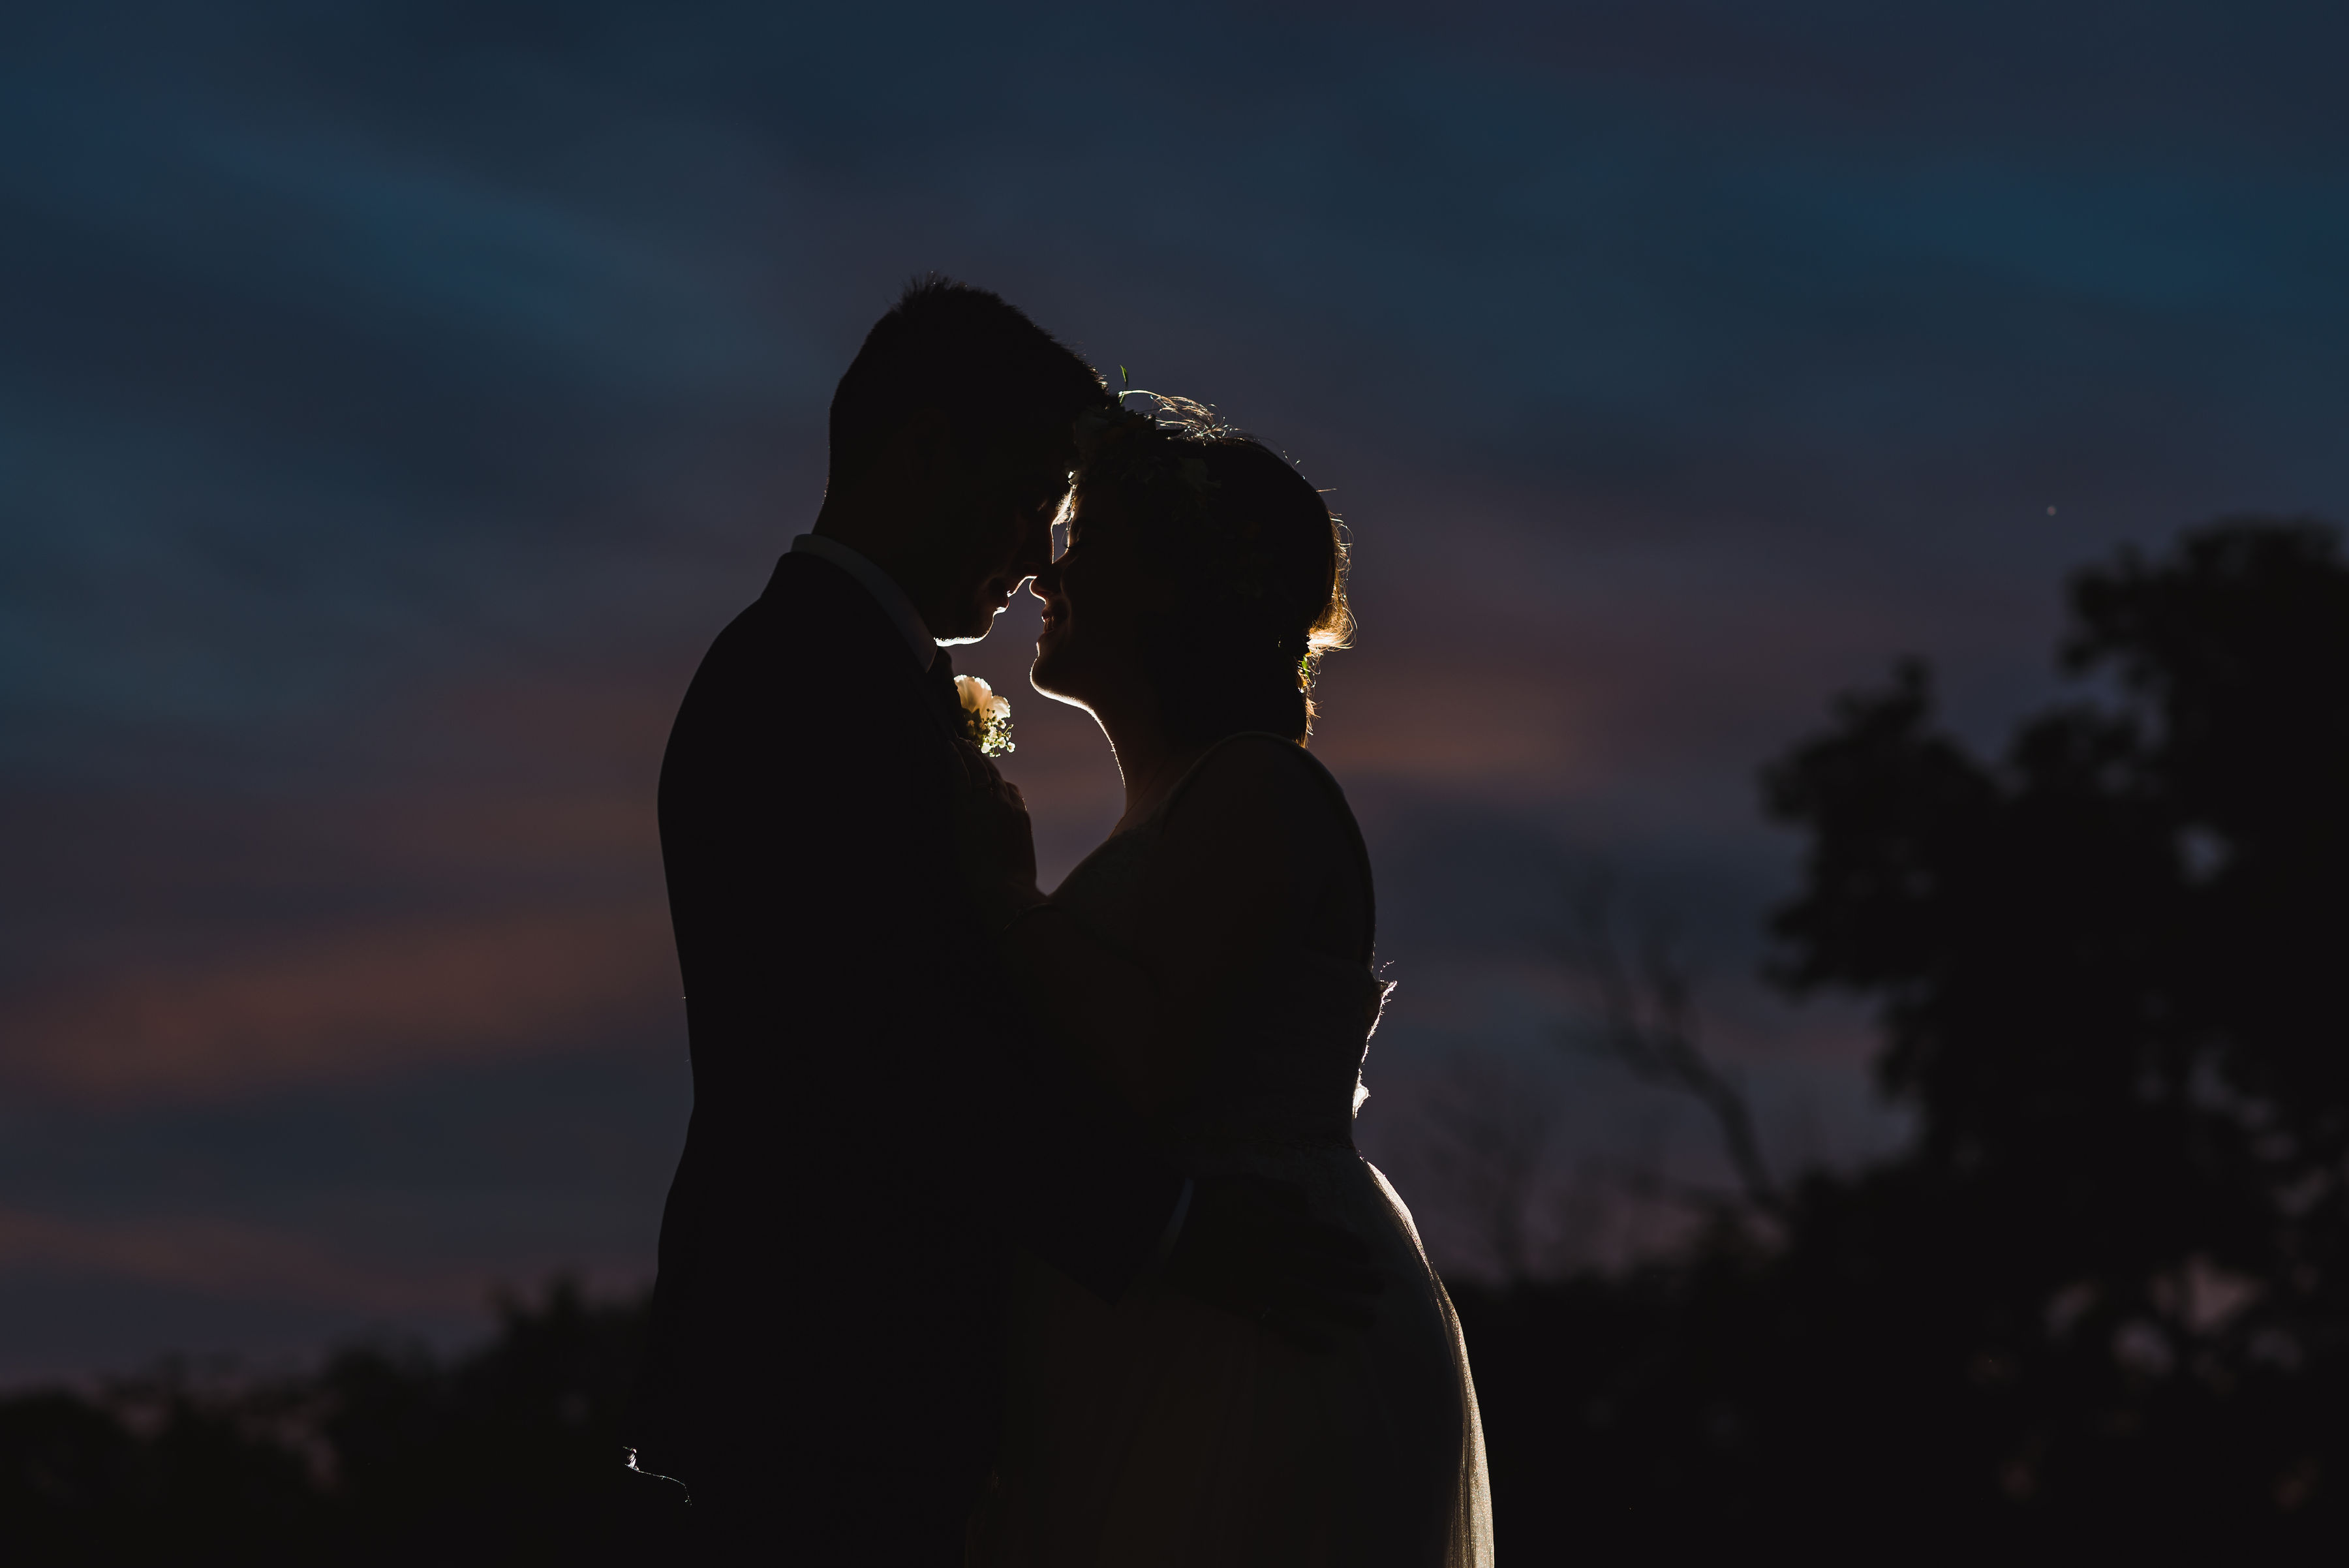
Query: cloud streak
[{"x": 356, "y": 1004}]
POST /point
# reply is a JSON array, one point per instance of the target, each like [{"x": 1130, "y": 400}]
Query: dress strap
[{"x": 1337, "y": 795}]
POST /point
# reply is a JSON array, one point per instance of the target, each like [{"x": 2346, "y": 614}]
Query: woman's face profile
[{"x": 1098, "y": 596}]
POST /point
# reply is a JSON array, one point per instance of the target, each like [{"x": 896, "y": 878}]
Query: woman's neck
[{"x": 1150, "y": 761}]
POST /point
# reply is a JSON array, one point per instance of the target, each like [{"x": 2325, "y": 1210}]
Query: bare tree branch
[
  {"x": 1646, "y": 1019},
  {"x": 1490, "y": 1130}
]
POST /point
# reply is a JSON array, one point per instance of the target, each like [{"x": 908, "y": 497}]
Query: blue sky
[{"x": 395, "y": 398}]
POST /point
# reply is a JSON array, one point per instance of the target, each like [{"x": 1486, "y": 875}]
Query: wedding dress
[{"x": 1165, "y": 1433}]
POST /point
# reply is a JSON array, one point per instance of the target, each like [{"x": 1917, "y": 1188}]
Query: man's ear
[{"x": 927, "y": 449}]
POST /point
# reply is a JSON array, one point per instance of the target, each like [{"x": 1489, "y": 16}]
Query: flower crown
[{"x": 1147, "y": 451}]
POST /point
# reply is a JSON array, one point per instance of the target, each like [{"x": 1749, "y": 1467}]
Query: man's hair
[{"x": 967, "y": 351}]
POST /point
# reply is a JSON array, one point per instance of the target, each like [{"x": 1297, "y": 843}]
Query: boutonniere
[{"x": 986, "y": 718}]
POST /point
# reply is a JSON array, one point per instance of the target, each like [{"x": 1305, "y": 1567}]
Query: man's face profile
[{"x": 1006, "y": 538}]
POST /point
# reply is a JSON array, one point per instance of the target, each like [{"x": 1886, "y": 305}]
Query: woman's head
[{"x": 1201, "y": 568}]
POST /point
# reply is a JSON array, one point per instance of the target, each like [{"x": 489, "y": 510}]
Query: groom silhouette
[{"x": 875, "y": 1124}]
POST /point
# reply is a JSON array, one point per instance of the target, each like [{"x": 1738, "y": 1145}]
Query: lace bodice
[{"x": 1284, "y": 1062}]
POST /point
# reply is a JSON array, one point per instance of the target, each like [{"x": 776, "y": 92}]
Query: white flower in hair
[{"x": 985, "y": 717}]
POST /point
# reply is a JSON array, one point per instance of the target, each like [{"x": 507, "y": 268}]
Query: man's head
[{"x": 951, "y": 446}]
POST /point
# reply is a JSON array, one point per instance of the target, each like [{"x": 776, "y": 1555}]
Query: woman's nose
[{"x": 1047, "y": 580}]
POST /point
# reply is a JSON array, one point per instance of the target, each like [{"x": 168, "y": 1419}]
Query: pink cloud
[{"x": 345, "y": 1004}]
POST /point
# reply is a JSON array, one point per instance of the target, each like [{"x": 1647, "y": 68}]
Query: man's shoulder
[
  {"x": 812, "y": 613},
  {"x": 807, "y": 597},
  {"x": 810, "y": 663}
]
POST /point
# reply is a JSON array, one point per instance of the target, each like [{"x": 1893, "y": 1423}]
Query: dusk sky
[{"x": 395, "y": 398}]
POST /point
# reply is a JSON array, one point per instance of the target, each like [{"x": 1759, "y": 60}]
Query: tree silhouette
[
  {"x": 2107, "y": 968},
  {"x": 507, "y": 1456},
  {"x": 2101, "y": 1295}
]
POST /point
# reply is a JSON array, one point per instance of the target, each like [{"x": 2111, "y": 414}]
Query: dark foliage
[
  {"x": 2102, "y": 1300},
  {"x": 508, "y": 1456}
]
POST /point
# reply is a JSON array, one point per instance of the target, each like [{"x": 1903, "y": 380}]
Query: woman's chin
[{"x": 1044, "y": 675}]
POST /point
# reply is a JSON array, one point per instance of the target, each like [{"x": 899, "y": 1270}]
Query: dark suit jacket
[{"x": 869, "y": 1133}]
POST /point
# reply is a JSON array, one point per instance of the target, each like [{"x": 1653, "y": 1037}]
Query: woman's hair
[{"x": 1258, "y": 560}]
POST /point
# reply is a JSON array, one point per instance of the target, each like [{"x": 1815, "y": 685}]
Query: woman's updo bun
[{"x": 1259, "y": 565}]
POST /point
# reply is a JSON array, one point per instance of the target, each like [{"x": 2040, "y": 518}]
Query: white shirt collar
[{"x": 881, "y": 586}]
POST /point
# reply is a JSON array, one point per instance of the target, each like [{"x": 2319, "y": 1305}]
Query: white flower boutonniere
[{"x": 985, "y": 717}]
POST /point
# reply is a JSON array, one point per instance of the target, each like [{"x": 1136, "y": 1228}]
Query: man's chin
[{"x": 975, "y": 628}]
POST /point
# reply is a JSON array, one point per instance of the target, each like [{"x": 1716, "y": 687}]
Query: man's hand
[
  {"x": 995, "y": 845},
  {"x": 1249, "y": 1247}
]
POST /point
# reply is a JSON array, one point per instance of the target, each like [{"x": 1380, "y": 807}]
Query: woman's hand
[{"x": 995, "y": 844}]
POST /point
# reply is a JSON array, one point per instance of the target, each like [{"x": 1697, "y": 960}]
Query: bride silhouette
[
  {"x": 1209, "y": 964},
  {"x": 938, "y": 1118}
]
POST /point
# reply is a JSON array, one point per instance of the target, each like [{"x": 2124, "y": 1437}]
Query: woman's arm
[{"x": 1239, "y": 861}]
